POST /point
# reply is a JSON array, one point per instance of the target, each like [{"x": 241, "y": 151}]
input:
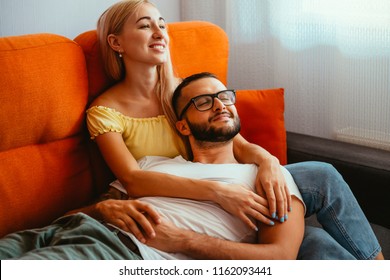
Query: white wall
[{"x": 64, "y": 17}]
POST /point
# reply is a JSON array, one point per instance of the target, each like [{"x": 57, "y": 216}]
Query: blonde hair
[{"x": 112, "y": 22}]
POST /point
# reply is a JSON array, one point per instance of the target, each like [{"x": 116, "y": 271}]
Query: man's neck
[{"x": 213, "y": 152}]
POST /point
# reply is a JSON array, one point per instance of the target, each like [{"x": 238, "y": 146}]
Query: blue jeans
[{"x": 345, "y": 232}]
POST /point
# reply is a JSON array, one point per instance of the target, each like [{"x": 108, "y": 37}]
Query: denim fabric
[
  {"x": 73, "y": 237},
  {"x": 317, "y": 244},
  {"x": 327, "y": 195}
]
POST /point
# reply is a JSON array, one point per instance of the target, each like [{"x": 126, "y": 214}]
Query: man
[{"x": 211, "y": 123}]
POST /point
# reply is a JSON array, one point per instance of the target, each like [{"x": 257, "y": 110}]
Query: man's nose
[{"x": 218, "y": 104}]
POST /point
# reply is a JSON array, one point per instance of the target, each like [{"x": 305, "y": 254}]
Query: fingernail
[
  {"x": 282, "y": 219},
  {"x": 286, "y": 217},
  {"x": 271, "y": 223},
  {"x": 274, "y": 215},
  {"x": 290, "y": 209},
  {"x": 256, "y": 229}
]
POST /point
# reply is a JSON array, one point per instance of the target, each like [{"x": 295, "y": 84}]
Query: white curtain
[{"x": 332, "y": 57}]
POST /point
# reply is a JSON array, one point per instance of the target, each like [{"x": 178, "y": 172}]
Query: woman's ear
[
  {"x": 183, "y": 128},
  {"x": 113, "y": 41}
]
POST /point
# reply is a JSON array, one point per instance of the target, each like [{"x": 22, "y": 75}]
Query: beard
[{"x": 206, "y": 133}]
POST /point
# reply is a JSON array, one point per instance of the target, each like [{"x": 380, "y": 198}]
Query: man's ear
[
  {"x": 114, "y": 43},
  {"x": 183, "y": 128}
]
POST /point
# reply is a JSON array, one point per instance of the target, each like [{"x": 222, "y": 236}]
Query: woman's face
[{"x": 144, "y": 38}]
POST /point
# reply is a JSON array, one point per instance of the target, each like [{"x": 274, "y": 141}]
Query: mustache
[{"x": 227, "y": 113}]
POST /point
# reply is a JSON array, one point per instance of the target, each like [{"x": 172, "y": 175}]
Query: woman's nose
[{"x": 157, "y": 33}]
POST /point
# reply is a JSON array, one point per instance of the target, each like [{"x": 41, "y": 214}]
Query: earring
[{"x": 120, "y": 55}]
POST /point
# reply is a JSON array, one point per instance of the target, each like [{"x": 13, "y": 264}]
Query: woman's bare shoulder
[{"x": 108, "y": 98}]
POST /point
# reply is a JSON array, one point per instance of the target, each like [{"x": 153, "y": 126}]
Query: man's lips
[{"x": 221, "y": 117}]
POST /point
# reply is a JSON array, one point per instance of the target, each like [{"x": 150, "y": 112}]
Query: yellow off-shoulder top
[{"x": 142, "y": 136}]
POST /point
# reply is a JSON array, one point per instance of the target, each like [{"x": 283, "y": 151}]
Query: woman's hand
[
  {"x": 271, "y": 184},
  {"x": 129, "y": 215},
  {"x": 243, "y": 203}
]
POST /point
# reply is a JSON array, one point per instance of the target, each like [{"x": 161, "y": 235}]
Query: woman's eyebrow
[{"x": 149, "y": 18}]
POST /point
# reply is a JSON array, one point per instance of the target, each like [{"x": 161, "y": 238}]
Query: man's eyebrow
[{"x": 149, "y": 18}]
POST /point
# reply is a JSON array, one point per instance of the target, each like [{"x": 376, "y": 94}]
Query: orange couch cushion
[
  {"x": 98, "y": 81},
  {"x": 44, "y": 165},
  {"x": 262, "y": 119},
  {"x": 189, "y": 58}
]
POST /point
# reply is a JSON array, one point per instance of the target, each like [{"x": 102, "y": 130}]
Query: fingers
[
  {"x": 289, "y": 200},
  {"x": 261, "y": 214},
  {"x": 281, "y": 204},
  {"x": 270, "y": 180},
  {"x": 134, "y": 229},
  {"x": 148, "y": 209},
  {"x": 271, "y": 198},
  {"x": 262, "y": 201},
  {"x": 131, "y": 216},
  {"x": 248, "y": 221},
  {"x": 279, "y": 201},
  {"x": 144, "y": 215},
  {"x": 256, "y": 208}
]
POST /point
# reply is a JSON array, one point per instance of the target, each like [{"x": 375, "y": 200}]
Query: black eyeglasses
[{"x": 205, "y": 102}]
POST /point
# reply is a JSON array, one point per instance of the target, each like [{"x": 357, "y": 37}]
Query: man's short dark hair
[{"x": 186, "y": 82}]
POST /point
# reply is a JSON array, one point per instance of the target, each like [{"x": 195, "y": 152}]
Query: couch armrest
[{"x": 366, "y": 170}]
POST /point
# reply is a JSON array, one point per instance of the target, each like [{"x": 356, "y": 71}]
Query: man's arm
[{"x": 281, "y": 241}]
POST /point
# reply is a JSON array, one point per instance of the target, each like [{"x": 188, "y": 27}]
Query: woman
[{"x": 129, "y": 120}]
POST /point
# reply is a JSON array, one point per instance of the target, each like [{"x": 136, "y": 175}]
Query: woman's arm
[
  {"x": 238, "y": 200},
  {"x": 270, "y": 180},
  {"x": 272, "y": 243}
]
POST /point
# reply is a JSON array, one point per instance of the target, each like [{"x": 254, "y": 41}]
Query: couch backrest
[{"x": 44, "y": 166}]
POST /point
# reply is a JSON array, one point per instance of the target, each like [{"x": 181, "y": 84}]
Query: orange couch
[{"x": 48, "y": 165}]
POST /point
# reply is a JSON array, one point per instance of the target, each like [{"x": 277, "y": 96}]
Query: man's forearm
[
  {"x": 200, "y": 246},
  {"x": 280, "y": 242}
]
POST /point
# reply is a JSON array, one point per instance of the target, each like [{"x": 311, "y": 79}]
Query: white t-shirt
[{"x": 201, "y": 216}]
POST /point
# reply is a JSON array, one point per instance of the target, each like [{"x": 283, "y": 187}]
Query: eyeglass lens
[{"x": 205, "y": 102}]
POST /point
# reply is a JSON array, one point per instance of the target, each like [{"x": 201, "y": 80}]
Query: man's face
[{"x": 219, "y": 124}]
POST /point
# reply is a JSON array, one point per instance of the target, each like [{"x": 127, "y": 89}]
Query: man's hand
[
  {"x": 168, "y": 238},
  {"x": 129, "y": 215},
  {"x": 271, "y": 184}
]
